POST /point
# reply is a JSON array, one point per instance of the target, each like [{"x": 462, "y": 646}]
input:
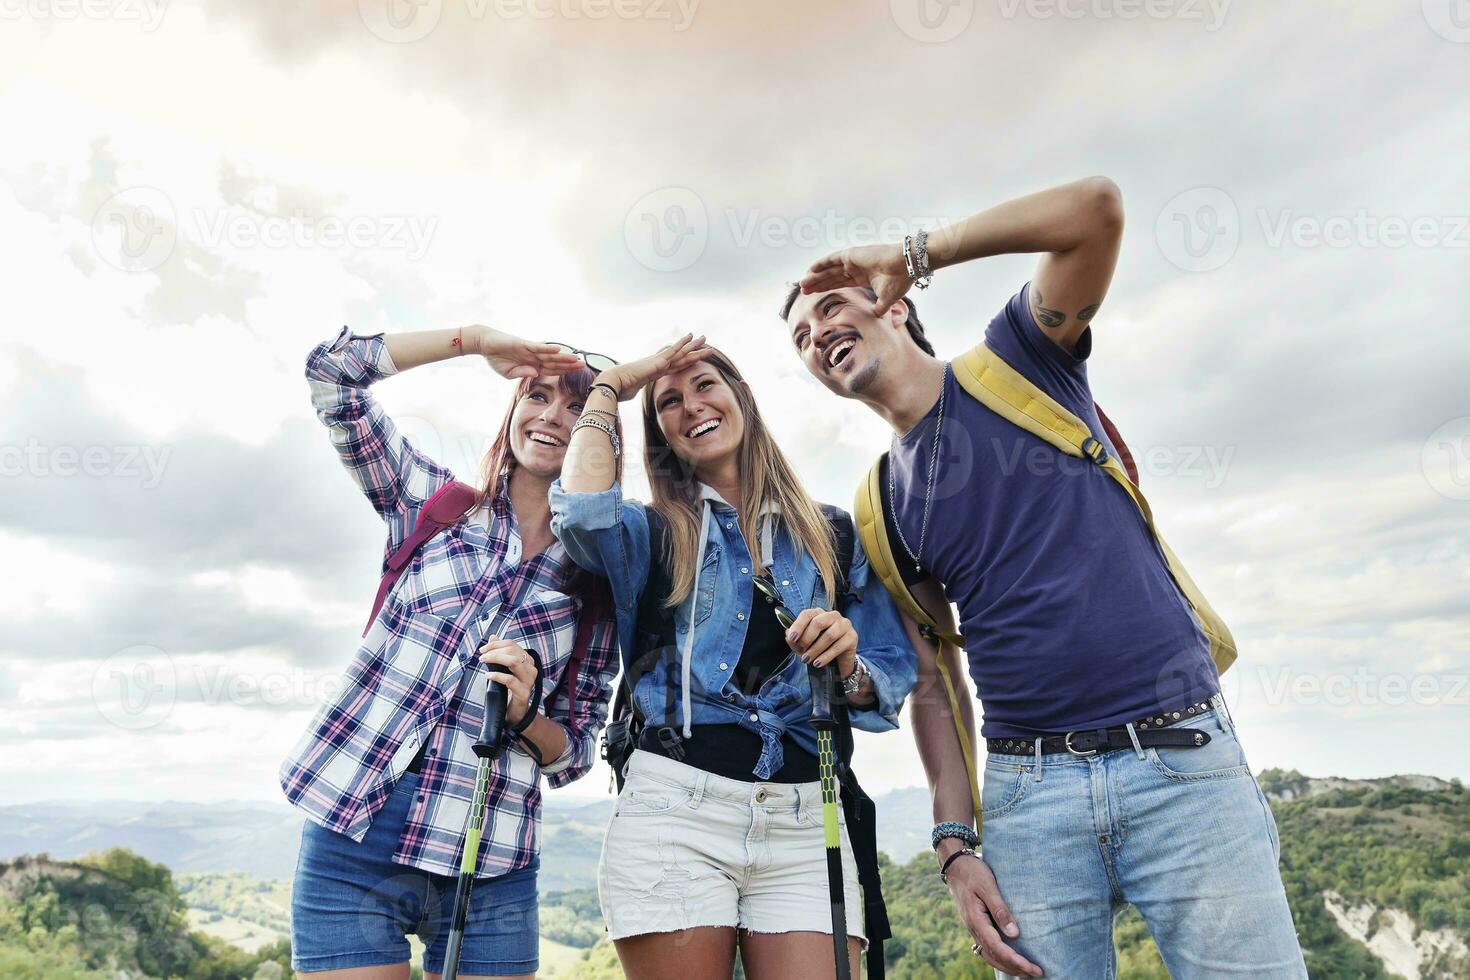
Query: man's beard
[{"x": 864, "y": 377}]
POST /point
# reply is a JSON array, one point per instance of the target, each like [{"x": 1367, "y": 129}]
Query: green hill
[
  {"x": 1377, "y": 871},
  {"x": 107, "y": 915}
]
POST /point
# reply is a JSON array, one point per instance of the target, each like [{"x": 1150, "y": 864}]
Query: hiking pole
[
  {"x": 823, "y": 688},
  {"x": 487, "y": 749}
]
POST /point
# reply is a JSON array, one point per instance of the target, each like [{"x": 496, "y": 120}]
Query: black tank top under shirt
[{"x": 732, "y": 751}]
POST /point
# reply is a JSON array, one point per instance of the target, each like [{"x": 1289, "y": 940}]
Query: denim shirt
[{"x": 609, "y": 536}]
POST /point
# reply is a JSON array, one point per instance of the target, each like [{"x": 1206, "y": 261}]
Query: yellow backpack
[{"x": 1005, "y": 391}]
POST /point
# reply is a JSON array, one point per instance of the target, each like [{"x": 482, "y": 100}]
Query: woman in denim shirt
[{"x": 717, "y": 837}]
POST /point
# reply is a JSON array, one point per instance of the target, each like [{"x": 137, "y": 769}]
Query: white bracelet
[
  {"x": 596, "y": 423},
  {"x": 921, "y": 260}
]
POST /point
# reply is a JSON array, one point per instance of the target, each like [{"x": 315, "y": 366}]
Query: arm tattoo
[
  {"x": 1088, "y": 312},
  {"x": 1048, "y": 318}
]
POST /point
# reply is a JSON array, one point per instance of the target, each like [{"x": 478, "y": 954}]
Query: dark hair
[{"x": 912, "y": 322}]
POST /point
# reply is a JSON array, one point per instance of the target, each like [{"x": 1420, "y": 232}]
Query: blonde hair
[{"x": 765, "y": 478}]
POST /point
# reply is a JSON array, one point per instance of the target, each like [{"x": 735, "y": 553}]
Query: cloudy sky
[{"x": 192, "y": 195}]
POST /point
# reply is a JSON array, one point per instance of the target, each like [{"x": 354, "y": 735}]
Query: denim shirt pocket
[{"x": 708, "y": 579}]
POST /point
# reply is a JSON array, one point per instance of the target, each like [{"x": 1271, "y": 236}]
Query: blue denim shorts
[{"x": 352, "y": 906}]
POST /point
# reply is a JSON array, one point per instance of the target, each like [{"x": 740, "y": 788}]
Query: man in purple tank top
[{"x": 1113, "y": 774}]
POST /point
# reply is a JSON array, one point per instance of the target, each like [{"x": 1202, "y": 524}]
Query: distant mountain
[{"x": 261, "y": 839}]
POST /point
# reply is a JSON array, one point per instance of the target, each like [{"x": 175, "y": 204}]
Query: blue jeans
[
  {"x": 352, "y": 906},
  {"x": 1183, "y": 834}
]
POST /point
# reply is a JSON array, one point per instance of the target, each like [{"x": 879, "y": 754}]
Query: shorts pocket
[
  {"x": 1004, "y": 788},
  {"x": 1220, "y": 758},
  {"x": 647, "y": 798}
]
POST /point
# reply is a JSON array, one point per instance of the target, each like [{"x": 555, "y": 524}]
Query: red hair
[{"x": 500, "y": 462}]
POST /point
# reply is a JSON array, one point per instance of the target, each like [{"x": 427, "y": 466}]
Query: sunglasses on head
[
  {"x": 767, "y": 588},
  {"x": 597, "y": 362}
]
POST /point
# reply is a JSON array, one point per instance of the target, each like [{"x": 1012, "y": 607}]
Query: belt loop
[
  {"x": 1223, "y": 709},
  {"x": 1133, "y": 737},
  {"x": 699, "y": 782},
  {"x": 1038, "y": 759}
]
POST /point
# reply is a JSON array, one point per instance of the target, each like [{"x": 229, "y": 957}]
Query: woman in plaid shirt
[{"x": 384, "y": 773}]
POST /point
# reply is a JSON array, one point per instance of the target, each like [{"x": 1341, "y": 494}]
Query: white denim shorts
[{"x": 687, "y": 849}]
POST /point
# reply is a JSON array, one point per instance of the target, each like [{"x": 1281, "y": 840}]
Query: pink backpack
[{"x": 448, "y": 505}]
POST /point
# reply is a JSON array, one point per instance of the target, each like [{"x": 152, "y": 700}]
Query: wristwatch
[{"x": 853, "y": 682}]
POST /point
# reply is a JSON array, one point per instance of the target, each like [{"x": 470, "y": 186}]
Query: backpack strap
[
  {"x": 1004, "y": 390},
  {"x": 445, "y": 506},
  {"x": 595, "y": 606},
  {"x": 844, "y": 547},
  {"x": 870, "y": 511}
]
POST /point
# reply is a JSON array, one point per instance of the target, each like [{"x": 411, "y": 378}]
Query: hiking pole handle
[
  {"x": 823, "y": 686},
  {"x": 488, "y": 746}
]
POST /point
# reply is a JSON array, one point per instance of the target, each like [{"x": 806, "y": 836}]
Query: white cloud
[{"x": 490, "y": 170}]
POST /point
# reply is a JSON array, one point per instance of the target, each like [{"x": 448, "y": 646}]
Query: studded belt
[{"x": 1152, "y": 730}]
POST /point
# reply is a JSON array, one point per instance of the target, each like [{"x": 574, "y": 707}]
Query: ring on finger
[{"x": 978, "y": 948}]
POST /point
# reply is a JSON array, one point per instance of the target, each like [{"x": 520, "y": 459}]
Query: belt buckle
[{"x": 1068, "y": 743}]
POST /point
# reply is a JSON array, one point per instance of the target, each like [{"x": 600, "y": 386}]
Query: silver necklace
[{"x": 928, "y": 491}]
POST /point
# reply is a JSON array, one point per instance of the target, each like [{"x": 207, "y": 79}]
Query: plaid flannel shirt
[{"x": 405, "y": 684}]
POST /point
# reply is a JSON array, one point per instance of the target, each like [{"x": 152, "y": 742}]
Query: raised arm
[
  {"x": 1078, "y": 227},
  {"x": 589, "y": 463},
  {"x": 602, "y": 532},
  {"x": 392, "y": 474}
]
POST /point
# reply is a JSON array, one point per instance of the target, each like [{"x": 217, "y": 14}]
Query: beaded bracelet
[
  {"x": 593, "y": 423},
  {"x": 952, "y": 829},
  {"x": 921, "y": 260}
]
